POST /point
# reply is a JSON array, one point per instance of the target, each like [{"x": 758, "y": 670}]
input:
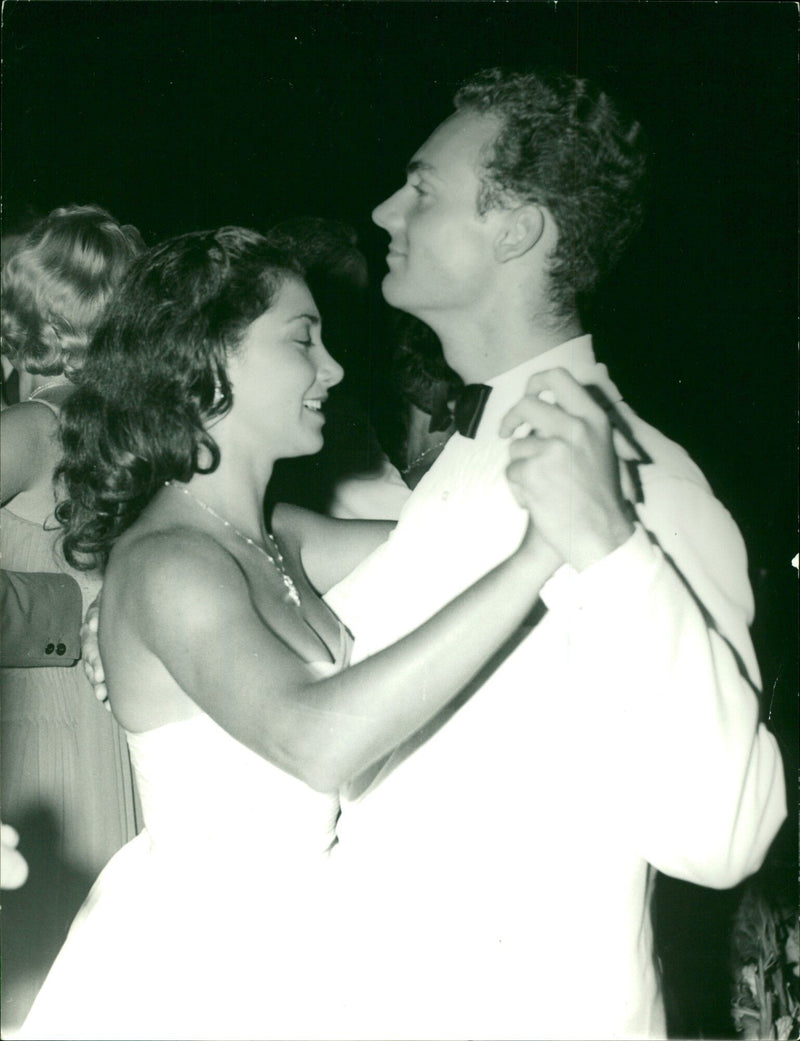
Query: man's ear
[{"x": 522, "y": 228}]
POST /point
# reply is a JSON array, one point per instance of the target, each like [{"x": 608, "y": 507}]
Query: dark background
[{"x": 183, "y": 115}]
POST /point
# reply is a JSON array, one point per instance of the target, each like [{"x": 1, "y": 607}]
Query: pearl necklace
[{"x": 275, "y": 558}]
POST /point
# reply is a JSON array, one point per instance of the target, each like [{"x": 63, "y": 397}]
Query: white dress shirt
[{"x": 499, "y": 863}]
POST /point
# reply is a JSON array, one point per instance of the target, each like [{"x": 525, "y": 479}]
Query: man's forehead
[{"x": 462, "y": 137}]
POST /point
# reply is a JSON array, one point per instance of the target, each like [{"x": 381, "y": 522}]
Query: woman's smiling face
[{"x": 281, "y": 374}]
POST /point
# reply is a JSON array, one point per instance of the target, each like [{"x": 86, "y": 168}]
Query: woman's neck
[
  {"x": 233, "y": 495},
  {"x": 236, "y": 489}
]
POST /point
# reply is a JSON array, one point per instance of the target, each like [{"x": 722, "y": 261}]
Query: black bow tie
[{"x": 464, "y": 409}]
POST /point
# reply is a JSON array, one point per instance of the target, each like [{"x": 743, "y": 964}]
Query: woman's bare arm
[
  {"x": 330, "y": 548},
  {"x": 189, "y": 604}
]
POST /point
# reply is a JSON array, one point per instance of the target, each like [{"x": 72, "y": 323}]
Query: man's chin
[{"x": 395, "y": 294}]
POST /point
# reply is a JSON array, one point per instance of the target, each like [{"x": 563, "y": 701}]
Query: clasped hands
[{"x": 565, "y": 470}]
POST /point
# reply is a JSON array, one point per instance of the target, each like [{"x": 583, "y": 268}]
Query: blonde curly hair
[{"x": 56, "y": 283}]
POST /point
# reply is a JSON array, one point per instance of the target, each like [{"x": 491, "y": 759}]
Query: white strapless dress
[{"x": 215, "y": 921}]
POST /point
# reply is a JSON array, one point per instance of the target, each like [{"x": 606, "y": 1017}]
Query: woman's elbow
[
  {"x": 319, "y": 773},
  {"x": 327, "y": 768},
  {"x": 306, "y": 759}
]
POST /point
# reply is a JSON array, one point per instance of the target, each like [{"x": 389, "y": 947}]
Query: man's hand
[
  {"x": 565, "y": 472},
  {"x": 90, "y": 652}
]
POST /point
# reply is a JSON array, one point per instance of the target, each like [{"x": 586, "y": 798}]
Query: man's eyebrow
[{"x": 419, "y": 165}]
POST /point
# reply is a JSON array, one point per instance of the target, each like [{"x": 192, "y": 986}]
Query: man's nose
[{"x": 386, "y": 214}]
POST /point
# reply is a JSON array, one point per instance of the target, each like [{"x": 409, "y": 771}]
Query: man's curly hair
[{"x": 564, "y": 144}]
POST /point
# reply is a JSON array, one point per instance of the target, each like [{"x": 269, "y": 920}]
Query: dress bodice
[
  {"x": 213, "y": 921},
  {"x": 205, "y": 794}
]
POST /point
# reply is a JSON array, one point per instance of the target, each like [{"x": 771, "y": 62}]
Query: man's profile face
[{"x": 440, "y": 249}]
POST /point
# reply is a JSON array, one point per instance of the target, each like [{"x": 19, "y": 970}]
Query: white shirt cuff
[{"x": 621, "y": 575}]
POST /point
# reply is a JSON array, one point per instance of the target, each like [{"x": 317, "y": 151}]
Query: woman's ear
[{"x": 522, "y": 230}]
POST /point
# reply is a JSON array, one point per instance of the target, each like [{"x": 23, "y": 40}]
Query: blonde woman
[{"x": 66, "y": 779}]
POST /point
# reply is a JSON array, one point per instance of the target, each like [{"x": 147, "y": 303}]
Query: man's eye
[{"x": 308, "y": 344}]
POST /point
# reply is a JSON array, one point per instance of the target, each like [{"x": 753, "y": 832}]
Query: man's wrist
[
  {"x": 621, "y": 576},
  {"x": 599, "y": 544}
]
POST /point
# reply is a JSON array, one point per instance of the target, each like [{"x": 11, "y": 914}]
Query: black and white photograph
[{"x": 398, "y": 527}]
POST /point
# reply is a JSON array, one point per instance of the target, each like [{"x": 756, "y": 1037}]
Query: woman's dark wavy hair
[
  {"x": 418, "y": 368},
  {"x": 564, "y": 144},
  {"x": 154, "y": 375}
]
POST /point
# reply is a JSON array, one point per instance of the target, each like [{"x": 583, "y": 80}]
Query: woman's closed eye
[
  {"x": 305, "y": 331},
  {"x": 305, "y": 337}
]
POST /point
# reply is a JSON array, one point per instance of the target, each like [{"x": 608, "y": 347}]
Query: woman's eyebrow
[{"x": 313, "y": 318}]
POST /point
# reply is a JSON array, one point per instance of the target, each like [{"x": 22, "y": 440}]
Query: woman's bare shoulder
[
  {"x": 30, "y": 446},
  {"x": 178, "y": 567},
  {"x": 146, "y": 555},
  {"x": 29, "y": 417}
]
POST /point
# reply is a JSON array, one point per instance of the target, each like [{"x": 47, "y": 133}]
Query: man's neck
[{"x": 479, "y": 354}]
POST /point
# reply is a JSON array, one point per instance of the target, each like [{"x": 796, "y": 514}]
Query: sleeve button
[
  {"x": 49, "y": 648},
  {"x": 61, "y": 649}
]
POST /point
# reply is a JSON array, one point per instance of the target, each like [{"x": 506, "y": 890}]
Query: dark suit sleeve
[{"x": 40, "y": 619}]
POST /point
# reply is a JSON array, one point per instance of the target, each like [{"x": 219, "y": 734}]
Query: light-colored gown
[
  {"x": 66, "y": 785},
  {"x": 213, "y": 922}
]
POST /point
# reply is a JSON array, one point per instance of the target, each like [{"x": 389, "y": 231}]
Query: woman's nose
[{"x": 330, "y": 371}]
